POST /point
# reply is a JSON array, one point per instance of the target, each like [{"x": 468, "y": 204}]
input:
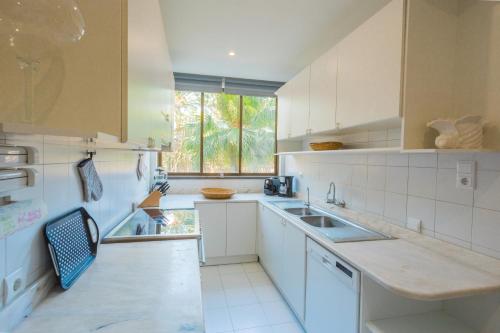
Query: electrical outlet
[
  {"x": 414, "y": 224},
  {"x": 13, "y": 285},
  {"x": 466, "y": 174}
]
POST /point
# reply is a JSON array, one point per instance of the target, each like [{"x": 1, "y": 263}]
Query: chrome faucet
[
  {"x": 333, "y": 200},
  {"x": 308, "y": 203}
]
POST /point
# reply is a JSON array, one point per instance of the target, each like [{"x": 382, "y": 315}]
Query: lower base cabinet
[
  {"x": 332, "y": 293},
  {"x": 294, "y": 269},
  {"x": 229, "y": 229},
  {"x": 282, "y": 252}
]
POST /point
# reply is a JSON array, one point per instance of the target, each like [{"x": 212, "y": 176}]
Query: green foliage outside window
[{"x": 225, "y": 120}]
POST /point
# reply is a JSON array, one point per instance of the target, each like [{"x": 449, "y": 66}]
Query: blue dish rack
[{"x": 72, "y": 240}]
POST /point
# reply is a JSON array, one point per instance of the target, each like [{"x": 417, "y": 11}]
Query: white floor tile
[
  {"x": 217, "y": 321},
  {"x": 263, "y": 329},
  {"x": 267, "y": 293},
  {"x": 209, "y": 271},
  {"x": 213, "y": 299},
  {"x": 247, "y": 316},
  {"x": 243, "y": 299},
  {"x": 241, "y": 296},
  {"x": 252, "y": 267},
  {"x": 278, "y": 313},
  {"x": 211, "y": 283},
  {"x": 229, "y": 269},
  {"x": 259, "y": 279},
  {"x": 235, "y": 281},
  {"x": 287, "y": 328}
]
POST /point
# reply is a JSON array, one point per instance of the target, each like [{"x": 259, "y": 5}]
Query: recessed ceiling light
[{"x": 232, "y": 53}]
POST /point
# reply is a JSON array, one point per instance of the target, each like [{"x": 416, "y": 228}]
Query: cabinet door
[
  {"x": 299, "y": 119},
  {"x": 151, "y": 84},
  {"x": 284, "y": 112},
  {"x": 294, "y": 269},
  {"x": 323, "y": 92},
  {"x": 241, "y": 228},
  {"x": 272, "y": 244},
  {"x": 61, "y": 82},
  {"x": 369, "y": 75},
  {"x": 213, "y": 226}
]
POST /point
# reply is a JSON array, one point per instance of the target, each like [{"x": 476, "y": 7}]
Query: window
[{"x": 218, "y": 133}]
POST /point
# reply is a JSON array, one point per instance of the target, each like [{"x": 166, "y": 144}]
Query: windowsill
[{"x": 217, "y": 177}]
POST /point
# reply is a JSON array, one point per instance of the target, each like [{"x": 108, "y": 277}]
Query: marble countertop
[
  {"x": 413, "y": 265},
  {"x": 131, "y": 287}
]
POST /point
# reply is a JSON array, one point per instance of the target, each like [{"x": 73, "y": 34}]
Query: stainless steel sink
[
  {"x": 322, "y": 221},
  {"x": 304, "y": 211}
]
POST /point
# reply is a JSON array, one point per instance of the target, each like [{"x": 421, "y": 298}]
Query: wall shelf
[
  {"x": 446, "y": 151},
  {"x": 431, "y": 322},
  {"x": 343, "y": 151},
  {"x": 386, "y": 150}
]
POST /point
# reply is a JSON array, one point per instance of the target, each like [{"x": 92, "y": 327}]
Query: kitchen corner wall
[
  {"x": 401, "y": 186},
  {"x": 59, "y": 186}
]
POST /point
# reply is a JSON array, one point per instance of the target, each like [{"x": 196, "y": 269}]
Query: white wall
[
  {"x": 398, "y": 186},
  {"x": 59, "y": 186}
]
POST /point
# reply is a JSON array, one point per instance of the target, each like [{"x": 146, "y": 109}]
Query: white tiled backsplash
[
  {"x": 59, "y": 186},
  {"x": 193, "y": 186},
  {"x": 422, "y": 186}
]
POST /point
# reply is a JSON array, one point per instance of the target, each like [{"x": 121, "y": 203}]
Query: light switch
[{"x": 466, "y": 175}]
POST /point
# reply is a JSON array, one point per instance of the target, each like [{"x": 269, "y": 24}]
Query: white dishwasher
[{"x": 332, "y": 293}]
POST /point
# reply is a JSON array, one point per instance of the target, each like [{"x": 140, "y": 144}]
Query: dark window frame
[{"x": 240, "y": 153}]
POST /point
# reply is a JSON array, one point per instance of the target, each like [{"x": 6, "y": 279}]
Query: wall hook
[{"x": 91, "y": 154}]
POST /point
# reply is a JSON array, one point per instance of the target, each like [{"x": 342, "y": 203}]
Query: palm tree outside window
[{"x": 218, "y": 133}]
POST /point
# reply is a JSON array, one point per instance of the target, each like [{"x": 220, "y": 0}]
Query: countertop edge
[{"x": 401, "y": 291}]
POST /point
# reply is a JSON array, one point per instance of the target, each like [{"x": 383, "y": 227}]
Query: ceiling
[{"x": 272, "y": 39}]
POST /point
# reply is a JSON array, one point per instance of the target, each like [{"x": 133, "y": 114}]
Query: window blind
[{"x": 229, "y": 85}]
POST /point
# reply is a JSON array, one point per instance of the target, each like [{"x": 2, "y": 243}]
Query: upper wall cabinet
[
  {"x": 355, "y": 83},
  {"x": 323, "y": 92},
  {"x": 369, "y": 74},
  {"x": 284, "y": 111},
  {"x": 150, "y": 85},
  {"x": 299, "y": 114},
  {"x": 66, "y": 74},
  {"x": 72, "y": 76},
  {"x": 452, "y": 67}
]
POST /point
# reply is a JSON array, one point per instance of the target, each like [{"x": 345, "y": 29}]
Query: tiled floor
[{"x": 242, "y": 298}]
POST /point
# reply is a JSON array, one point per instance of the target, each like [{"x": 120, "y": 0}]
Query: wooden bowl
[
  {"x": 330, "y": 145},
  {"x": 217, "y": 193}
]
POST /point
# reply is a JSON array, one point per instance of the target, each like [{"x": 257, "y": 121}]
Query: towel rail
[
  {"x": 16, "y": 179},
  {"x": 16, "y": 155}
]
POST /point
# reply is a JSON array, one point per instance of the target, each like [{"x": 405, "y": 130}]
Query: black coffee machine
[
  {"x": 287, "y": 186},
  {"x": 271, "y": 186}
]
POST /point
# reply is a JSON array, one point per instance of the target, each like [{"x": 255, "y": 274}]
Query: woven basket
[
  {"x": 331, "y": 145},
  {"x": 217, "y": 193}
]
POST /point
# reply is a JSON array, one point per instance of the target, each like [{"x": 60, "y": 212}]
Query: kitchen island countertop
[{"x": 131, "y": 287}]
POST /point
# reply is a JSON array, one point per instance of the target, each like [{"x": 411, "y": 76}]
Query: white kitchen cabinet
[
  {"x": 213, "y": 226},
  {"x": 284, "y": 111},
  {"x": 323, "y": 92},
  {"x": 369, "y": 69},
  {"x": 272, "y": 234},
  {"x": 241, "y": 228},
  {"x": 294, "y": 269},
  {"x": 117, "y": 79},
  {"x": 299, "y": 115}
]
